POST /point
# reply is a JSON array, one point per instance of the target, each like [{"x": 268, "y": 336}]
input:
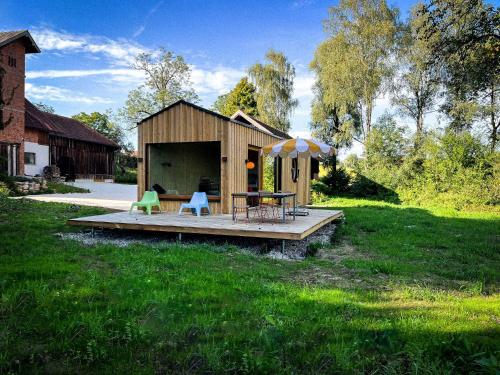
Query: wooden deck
[{"x": 221, "y": 225}]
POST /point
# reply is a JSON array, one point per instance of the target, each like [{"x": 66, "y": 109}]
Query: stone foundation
[{"x": 32, "y": 186}]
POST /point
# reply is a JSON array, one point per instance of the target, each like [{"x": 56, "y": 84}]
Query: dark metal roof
[
  {"x": 61, "y": 126},
  {"x": 274, "y": 131},
  {"x": 7, "y": 37}
]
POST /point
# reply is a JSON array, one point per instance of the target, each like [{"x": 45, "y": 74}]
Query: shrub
[
  {"x": 447, "y": 169},
  {"x": 129, "y": 176},
  {"x": 4, "y": 189},
  {"x": 313, "y": 248},
  {"x": 8, "y": 182}
]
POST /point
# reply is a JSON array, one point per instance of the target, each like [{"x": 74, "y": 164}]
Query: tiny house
[{"x": 185, "y": 148}]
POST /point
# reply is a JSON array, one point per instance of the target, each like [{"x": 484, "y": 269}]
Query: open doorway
[
  {"x": 272, "y": 178},
  {"x": 277, "y": 171},
  {"x": 253, "y": 170}
]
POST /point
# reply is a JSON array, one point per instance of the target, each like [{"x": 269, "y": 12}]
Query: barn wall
[{"x": 81, "y": 158}]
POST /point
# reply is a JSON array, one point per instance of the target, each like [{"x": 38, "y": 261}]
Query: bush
[
  {"x": 449, "y": 169},
  {"x": 313, "y": 248},
  {"x": 129, "y": 176},
  {"x": 8, "y": 183},
  {"x": 4, "y": 190}
]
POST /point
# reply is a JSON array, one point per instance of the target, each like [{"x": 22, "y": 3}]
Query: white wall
[{"x": 41, "y": 158}]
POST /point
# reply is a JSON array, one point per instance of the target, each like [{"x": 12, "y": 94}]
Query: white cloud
[
  {"x": 305, "y": 134},
  {"x": 124, "y": 74},
  {"x": 152, "y": 11},
  {"x": 120, "y": 52},
  {"x": 303, "y": 84},
  {"x": 57, "y": 94},
  {"x": 139, "y": 31},
  {"x": 219, "y": 80},
  {"x": 302, "y": 3}
]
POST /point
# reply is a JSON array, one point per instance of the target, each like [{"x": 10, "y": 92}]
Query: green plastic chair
[{"x": 149, "y": 200}]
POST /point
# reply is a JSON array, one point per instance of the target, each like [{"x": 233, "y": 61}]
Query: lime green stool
[{"x": 149, "y": 200}]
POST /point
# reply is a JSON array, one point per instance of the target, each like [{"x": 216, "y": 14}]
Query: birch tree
[
  {"x": 274, "y": 84},
  {"x": 356, "y": 57}
]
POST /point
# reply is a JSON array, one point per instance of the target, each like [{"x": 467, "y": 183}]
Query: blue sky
[{"x": 87, "y": 46}]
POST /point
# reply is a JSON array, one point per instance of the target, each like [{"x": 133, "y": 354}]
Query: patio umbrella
[{"x": 298, "y": 147}]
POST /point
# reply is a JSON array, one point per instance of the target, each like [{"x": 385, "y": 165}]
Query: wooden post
[{"x": 225, "y": 194}]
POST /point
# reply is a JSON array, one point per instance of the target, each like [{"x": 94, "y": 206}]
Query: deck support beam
[{"x": 218, "y": 225}]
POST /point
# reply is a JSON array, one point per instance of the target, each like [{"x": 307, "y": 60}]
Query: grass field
[{"x": 399, "y": 290}]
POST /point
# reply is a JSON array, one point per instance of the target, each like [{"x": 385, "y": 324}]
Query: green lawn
[{"x": 400, "y": 290}]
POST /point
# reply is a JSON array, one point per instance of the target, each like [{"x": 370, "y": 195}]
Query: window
[
  {"x": 12, "y": 62},
  {"x": 30, "y": 158}
]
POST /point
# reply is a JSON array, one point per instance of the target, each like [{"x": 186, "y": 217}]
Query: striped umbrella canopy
[{"x": 298, "y": 147}]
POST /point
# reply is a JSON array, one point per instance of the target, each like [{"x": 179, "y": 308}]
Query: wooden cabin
[{"x": 186, "y": 148}]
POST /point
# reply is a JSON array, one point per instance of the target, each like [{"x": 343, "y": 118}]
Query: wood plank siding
[
  {"x": 78, "y": 158},
  {"x": 184, "y": 122}
]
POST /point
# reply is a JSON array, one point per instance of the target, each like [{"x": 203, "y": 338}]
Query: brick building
[{"x": 31, "y": 139}]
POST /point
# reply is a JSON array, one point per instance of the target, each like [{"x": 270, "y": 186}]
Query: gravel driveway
[{"x": 102, "y": 194}]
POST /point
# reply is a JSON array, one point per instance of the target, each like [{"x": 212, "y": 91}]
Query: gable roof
[
  {"x": 240, "y": 115},
  {"x": 61, "y": 126},
  {"x": 256, "y": 125},
  {"x": 182, "y": 101},
  {"x": 7, "y": 37}
]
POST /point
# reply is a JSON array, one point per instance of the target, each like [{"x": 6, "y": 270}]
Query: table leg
[
  {"x": 283, "y": 203},
  {"x": 294, "y": 205}
]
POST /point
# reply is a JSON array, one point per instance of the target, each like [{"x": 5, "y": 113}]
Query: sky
[{"x": 88, "y": 46}]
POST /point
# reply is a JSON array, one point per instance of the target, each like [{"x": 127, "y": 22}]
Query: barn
[
  {"x": 31, "y": 139},
  {"x": 79, "y": 151}
]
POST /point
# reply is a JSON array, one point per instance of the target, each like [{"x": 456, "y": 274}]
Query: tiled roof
[
  {"x": 7, "y": 37},
  {"x": 62, "y": 126}
]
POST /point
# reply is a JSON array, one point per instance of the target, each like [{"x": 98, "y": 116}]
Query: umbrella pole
[{"x": 276, "y": 170}]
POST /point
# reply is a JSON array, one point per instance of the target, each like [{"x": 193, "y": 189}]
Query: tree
[
  {"x": 241, "y": 97},
  {"x": 354, "y": 60},
  {"x": 466, "y": 42},
  {"x": 103, "y": 124},
  {"x": 167, "y": 79},
  {"x": 274, "y": 85},
  {"x": 6, "y": 97},
  {"x": 416, "y": 84},
  {"x": 332, "y": 126},
  {"x": 220, "y": 104},
  {"x": 386, "y": 143},
  {"x": 45, "y": 107}
]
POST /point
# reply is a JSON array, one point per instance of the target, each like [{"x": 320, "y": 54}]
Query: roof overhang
[
  {"x": 240, "y": 113},
  {"x": 29, "y": 43}
]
